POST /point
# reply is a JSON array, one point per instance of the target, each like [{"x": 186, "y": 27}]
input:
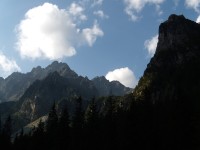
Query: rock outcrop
[{"x": 175, "y": 67}]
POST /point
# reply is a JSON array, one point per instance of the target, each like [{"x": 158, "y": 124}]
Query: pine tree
[
  {"x": 38, "y": 136},
  {"x": 92, "y": 126},
  {"x": 63, "y": 122},
  {"x": 52, "y": 120},
  {"x": 91, "y": 114},
  {"x": 6, "y": 133},
  {"x": 64, "y": 129},
  {"x": 51, "y": 128},
  {"x": 0, "y": 125},
  {"x": 0, "y": 132},
  {"x": 77, "y": 125},
  {"x": 109, "y": 122},
  {"x": 78, "y": 115}
]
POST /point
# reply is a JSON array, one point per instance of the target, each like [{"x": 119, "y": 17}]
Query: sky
[{"x": 111, "y": 38}]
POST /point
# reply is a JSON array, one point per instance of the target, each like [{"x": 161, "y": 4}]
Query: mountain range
[
  {"x": 29, "y": 96},
  {"x": 14, "y": 86}
]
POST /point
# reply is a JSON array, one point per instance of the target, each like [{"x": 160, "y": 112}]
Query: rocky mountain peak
[
  {"x": 62, "y": 68},
  {"x": 175, "y": 62},
  {"x": 178, "y": 43},
  {"x": 176, "y": 31},
  {"x": 36, "y": 69}
]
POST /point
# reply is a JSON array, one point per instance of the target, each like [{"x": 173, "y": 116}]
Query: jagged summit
[
  {"x": 174, "y": 17},
  {"x": 15, "y": 85},
  {"x": 175, "y": 65},
  {"x": 176, "y": 31},
  {"x": 106, "y": 87},
  {"x": 178, "y": 43}
]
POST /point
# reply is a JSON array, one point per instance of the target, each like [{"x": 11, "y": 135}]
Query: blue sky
[{"x": 115, "y": 38}]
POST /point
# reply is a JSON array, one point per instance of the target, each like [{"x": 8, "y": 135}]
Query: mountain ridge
[{"x": 14, "y": 86}]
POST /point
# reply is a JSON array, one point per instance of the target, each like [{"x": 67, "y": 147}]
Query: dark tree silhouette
[
  {"x": 6, "y": 133},
  {"x": 92, "y": 126},
  {"x": 38, "y": 136},
  {"x": 63, "y": 130},
  {"x": 77, "y": 125},
  {"x": 51, "y": 128},
  {"x": 52, "y": 119}
]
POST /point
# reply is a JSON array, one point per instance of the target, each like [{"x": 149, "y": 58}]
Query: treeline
[
  {"x": 96, "y": 127},
  {"x": 120, "y": 123}
]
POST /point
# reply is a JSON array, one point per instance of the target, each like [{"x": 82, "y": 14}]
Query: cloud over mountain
[
  {"x": 124, "y": 76},
  {"x": 151, "y": 45},
  {"x": 7, "y": 66}
]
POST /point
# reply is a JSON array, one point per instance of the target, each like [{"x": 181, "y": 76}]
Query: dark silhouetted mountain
[
  {"x": 107, "y": 88},
  {"x": 39, "y": 97},
  {"x": 14, "y": 86},
  {"x": 173, "y": 73},
  {"x": 169, "y": 89}
]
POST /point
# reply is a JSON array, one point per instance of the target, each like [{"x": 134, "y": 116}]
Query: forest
[{"x": 142, "y": 125}]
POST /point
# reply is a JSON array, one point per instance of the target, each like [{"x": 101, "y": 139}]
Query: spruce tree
[
  {"x": 91, "y": 114},
  {"x": 64, "y": 129},
  {"x": 52, "y": 120},
  {"x": 0, "y": 125},
  {"x": 77, "y": 125},
  {"x": 38, "y": 136},
  {"x": 78, "y": 120},
  {"x": 6, "y": 133},
  {"x": 51, "y": 128},
  {"x": 92, "y": 126}
]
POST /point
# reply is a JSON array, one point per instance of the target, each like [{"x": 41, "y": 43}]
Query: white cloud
[
  {"x": 151, "y": 45},
  {"x": 176, "y": 2},
  {"x": 91, "y": 34},
  {"x": 133, "y": 7},
  {"x": 158, "y": 10},
  {"x": 97, "y": 2},
  {"x": 100, "y": 14},
  {"x": 77, "y": 11},
  {"x": 124, "y": 76},
  {"x": 198, "y": 19},
  {"x": 7, "y": 66},
  {"x": 52, "y": 33},
  {"x": 194, "y": 4}
]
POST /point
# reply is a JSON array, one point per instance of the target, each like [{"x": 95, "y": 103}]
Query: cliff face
[
  {"x": 169, "y": 91},
  {"x": 178, "y": 42},
  {"x": 175, "y": 67}
]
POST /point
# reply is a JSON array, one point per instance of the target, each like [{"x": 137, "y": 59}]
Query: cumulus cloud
[
  {"x": 151, "y": 45},
  {"x": 77, "y": 11},
  {"x": 7, "y": 66},
  {"x": 97, "y": 2},
  {"x": 133, "y": 7},
  {"x": 194, "y": 4},
  {"x": 124, "y": 76},
  {"x": 198, "y": 19},
  {"x": 52, "y": 33},
  {"x": 100, "y": 14},
  {"x": 91, "y": 34}
]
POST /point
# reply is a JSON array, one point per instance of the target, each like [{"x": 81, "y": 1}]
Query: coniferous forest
[{"x": 141, "y": 126}]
